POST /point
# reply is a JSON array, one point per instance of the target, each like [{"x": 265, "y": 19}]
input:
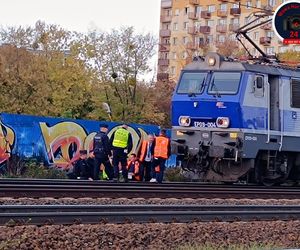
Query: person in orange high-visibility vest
[
  {"x": 162, "y": 151},
  {"x": 133, "y": 168},
  {"x": 145, "y": 157}
]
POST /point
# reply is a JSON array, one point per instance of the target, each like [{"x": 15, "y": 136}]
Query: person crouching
[
  {"x": 83, "y": 169},
  {"x": 133, "y": 168}
]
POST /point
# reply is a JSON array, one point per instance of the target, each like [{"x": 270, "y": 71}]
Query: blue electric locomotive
[{"x": 237, "y": 120}]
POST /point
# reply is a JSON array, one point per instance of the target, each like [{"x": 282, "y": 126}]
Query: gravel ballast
[
  {"x": 158, "y": 201},
  {"x": 151, "y": 236}
]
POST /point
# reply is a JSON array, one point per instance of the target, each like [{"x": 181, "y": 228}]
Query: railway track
[
  {"x": 75, "y": 214},
  {"x": 77, "y": 189}
]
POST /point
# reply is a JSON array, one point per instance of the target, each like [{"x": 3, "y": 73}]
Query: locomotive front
[{"x": 207, "y": 119}]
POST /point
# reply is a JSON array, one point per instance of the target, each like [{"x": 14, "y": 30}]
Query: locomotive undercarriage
[{"x": 220, "y": 159}]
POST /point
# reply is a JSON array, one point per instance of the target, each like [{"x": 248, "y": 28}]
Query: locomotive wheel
[{"x": 261, "y": 170}]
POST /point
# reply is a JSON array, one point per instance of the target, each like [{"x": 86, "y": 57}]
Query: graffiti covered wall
[{"x": 56, "y": 141}]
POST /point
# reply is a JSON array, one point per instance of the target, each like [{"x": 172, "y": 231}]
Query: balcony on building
[
  {"x": 221, "y": 28},
  {"x": 265, "y": 40},
  {"x": 234, "y": 27},
  {"x": 165, "y": 33},
  {"x": 235, "y": 11},
  {"x": 192, "y": 30},
  {"x": 166, "y": 4},
  {"x": 222, "y": 13},
  {"x": 163, "y": 62},
  {"x": 166, "y": 19},
  {"x": 204, "y": 29},
  {"x": 267, "y": 26},
  {"x": 164, "y": 47},
  {"x": 192, "y": 15},
  {"x": 162, "y": 76},
  {"x": 205, "y": 14},
  {"x": 191, "y": 46},
  {"x": 194, "y": 2}
]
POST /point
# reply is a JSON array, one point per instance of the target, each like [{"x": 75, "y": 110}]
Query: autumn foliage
[{"x": 46, "y": 70}]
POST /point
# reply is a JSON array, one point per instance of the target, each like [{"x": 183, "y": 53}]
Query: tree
[
  {"x": 120, "y": 57},
  {"x": 290, "y": 57}
]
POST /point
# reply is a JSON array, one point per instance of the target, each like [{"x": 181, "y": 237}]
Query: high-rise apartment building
[{"x": 192, "y": 27}]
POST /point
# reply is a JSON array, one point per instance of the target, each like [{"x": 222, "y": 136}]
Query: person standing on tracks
[
  {"x": 83, "y": 170},
  {"x": 102, "y": 153},
  {"x": 121, "y": 141},
  {"x": 162, "y": 151},
  {"x": 146, "y": 157}
]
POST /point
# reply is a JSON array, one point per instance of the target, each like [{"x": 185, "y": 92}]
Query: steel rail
[
  {"x": 149, "y": 207},
  {"x": 58, "y": 189},
  {"x": 41, "y": 215}
]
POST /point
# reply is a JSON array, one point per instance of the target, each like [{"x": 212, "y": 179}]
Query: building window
[
  {"x": 174, "y": 56},
  {"x": 295, "y": 93},
  {"x": 235, "y": 21},
  {"x": 248, "y": 5},
  {"x": 223, "y": 7},
  {"x": 256, "y": 35},
  {"x": 210, "y": 23},
  {"x": 172, "y": 70},
  {"x": 297, "y": 48},
  {"x": 177, "y": 12},
  {"x": 272, "y": 2},
  {"x": 185, "y": 25},
  {"x": 211, "y": 8},
  {"x": 186, "y": 10},
  {"x": 283, "y": 49},
  {"x": 197, "y": 24},
  {"x": 185, "y": 40},
  {"x": 198, "y": 10},
  {"x": 270, "y": 34},
  {"x": 270, "y": 51},
  {"x": 235, "y": 6},
  {"x": 210, "y": 39},
  {"x": 221, "y": 38},
  {"x": 175, "y": 26},
  {"x": 258, "y": 3},
  {"x": 222, "y": 21},
  {"x": 175, "y": 40},
  {"x": 184, "y": 55}
]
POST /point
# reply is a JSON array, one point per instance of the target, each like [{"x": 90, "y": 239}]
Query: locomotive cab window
[
  {"x": 295, "y": 93},
  {"x": 258, "y": 86},
  {"x": 192, "y": 83},
  {"x": 224, "y": 83}
]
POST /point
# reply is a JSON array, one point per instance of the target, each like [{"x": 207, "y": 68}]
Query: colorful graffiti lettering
[
  {"x": 64, "y": 140},
  {"x": 7, "y": 138},
  {"x": 56, "y": 141}
]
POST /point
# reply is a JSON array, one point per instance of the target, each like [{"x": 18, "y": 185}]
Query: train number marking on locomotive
[
  {"x": 250, "y": 138},
  {"x": 205, "y": 124}
]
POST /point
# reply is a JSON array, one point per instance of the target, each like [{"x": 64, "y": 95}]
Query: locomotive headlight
[
  {"x": 211, "y": 61},
  {"x": 223, "y": 122},
  {"x": 184, "y": 121}
]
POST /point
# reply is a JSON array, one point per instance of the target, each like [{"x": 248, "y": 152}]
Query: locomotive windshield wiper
[{"x": 216, "y": 94}]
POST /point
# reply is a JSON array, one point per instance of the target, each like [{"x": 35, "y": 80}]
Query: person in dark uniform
[
  {"x": 121, "y": 141},
  {"x": 102, "y": 153},
  {"x": 83, "y": 170}
]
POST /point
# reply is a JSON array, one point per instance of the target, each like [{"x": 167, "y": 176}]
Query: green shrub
[{"x": 32, "y": 168}]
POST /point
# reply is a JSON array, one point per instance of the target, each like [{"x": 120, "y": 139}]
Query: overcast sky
[{"x": 80, "y": 15}]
